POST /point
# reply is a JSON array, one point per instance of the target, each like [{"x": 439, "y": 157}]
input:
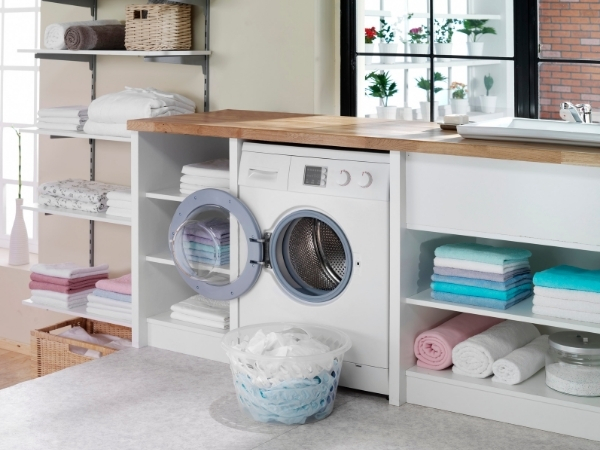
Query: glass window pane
[
  {"x": 11, "y": 192},
  {"x": 10, "y": 155},
  {"x": 19, "y": 33},
  {"x": 18, "y": 105},
  {"x": 20, "y": 4}
]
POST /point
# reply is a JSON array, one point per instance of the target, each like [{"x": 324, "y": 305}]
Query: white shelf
[
  {"x": 173, "y": 194},
  {"x": 166, "y": 259},
  {"x": 98, "y": 217},
  {"x": 521, "y": 312},
  {"x": 459, "y": 16},
  {"x": 74, "y": 134},
  {"x": 377, "y": 13},
  {"x": 118, "y": 52},
  {"x": 425, "y": 65},
  {"x": 164, "y": 319},
  {"x": 80, "y": 311}
]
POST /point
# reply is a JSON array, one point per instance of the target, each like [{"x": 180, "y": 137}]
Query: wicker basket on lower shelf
[
  {"x": 158, "y": 27},
  {"x": 50, "y": 353}
]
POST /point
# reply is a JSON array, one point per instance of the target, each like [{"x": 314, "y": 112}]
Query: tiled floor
[{"x": 14, "y": 368}]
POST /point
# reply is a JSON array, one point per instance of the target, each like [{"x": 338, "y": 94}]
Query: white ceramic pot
[
  {"x": 475, "y": 48},
  {"x": 488, "y": 103},
  {"x": 386, "y": 112},
  {"x": 460, "y": 105},
  {"x": 405, "y": 113},
  {"x": 370, "y": 48},
  {"x": 388, "y": 48},
  {"x": 18, "y": 254},
  {"x": 425, "y": 111},
  {"x": 419, "y": 48},
  {"x": 443, "y": 49}
]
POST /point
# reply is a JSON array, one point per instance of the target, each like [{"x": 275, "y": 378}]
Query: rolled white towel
[
  {"x": 475, "y": 356},
  {"x": 521, "y": 364},
  {"x": 54, "y": 36}
]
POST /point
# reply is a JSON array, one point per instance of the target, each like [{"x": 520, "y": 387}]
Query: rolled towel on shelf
[
  {"x": 476, "y": 356},
  {"x": 522, "y": 363},
  {"x": 433, "y": 348},
  {"x": 479, "y": 266},
  {"x": 68, "y": 270},
  {"x": 54, "y": 35},
  {"x": 216, "y": 168},
  {"x": 496, "y": 277},
  {"x": 97, "y": 37},
  {"x": 482, "y": 253}
]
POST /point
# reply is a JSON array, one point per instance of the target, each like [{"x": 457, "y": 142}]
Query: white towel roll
[
  {"x": 54, "y": 36},
  {"x": 522, "y": 363}
]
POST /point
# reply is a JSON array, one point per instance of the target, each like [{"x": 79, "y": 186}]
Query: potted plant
[
  {"x": 474, "y": 29},
  {"x": 370, "y": 35},
  {"x": 382, "y": 87},
  {"x": 488, "y": 102},
  {"x": 425, "y": 84},
  {"x": 386, "y": 44},
  {"x": 459, "y": 103},
  {"x": 418, "y": 41},
  {"x": 443, "y": 36},
  {"x": 18, "y": 254}
]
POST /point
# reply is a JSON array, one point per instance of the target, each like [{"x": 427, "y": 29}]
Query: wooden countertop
[{"x": 360, "y": 134}]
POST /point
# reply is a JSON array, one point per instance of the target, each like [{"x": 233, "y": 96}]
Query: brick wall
[{"x": 569, "y": 29}]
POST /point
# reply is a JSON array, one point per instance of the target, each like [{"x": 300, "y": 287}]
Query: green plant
[
  {"x": 459, "y": 90},
  {"x": 425, "y": 84},
  {"x": 381, "y": 87},
  {"x": 418, "y": 35},
  {"x": 476, "y": 28},
  {"x": 385, "y": 32},
  {"x": 19, "y": 136},
  {"x": 488, "y": 82},
  {"x": 445, "y": 31}
]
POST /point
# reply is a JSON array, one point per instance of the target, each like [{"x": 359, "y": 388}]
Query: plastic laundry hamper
[{"x": 287, "y": 389}]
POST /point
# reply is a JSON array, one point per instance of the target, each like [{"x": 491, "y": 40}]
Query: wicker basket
[
  {"x": 158, "y": 27},
  {"x": 50, "y": 353}
]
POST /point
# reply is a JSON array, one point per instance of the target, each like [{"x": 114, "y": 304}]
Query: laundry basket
[
  {"x": 286, "y": 389},
  {"x": 158, "y": 27}
]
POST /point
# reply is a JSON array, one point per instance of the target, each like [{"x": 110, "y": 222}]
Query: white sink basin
[{"x": 533, "y": 130}]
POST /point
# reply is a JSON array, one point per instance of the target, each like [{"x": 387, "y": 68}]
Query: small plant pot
[
  {"x": 386, "y": 112},
  {"x": 475, "y": 48},
  {"x": 460, "y": 105},
  {"x": 443, "y": 49},
  {"x": 488, "y": 103},
  {"x": 405, "y": 113},
  {"x": 425, "y": 111},
  {"x": 419, "y": 48},
  {"x": 388, "y": 48},
  {"x": 370, "y": 48}
]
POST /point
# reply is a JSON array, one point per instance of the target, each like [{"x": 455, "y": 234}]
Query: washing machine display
[{"x": 315, "y": 176}]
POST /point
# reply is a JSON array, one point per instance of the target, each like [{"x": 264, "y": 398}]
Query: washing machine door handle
[{"x": 266, "y": 243}]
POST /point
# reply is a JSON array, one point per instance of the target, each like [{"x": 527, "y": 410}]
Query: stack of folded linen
[
  {"x": 201, "y": 311},
  {"x": 64, "y": 285},
  {"x": 207, "y": 242},
  {"x": 79, "y": 195},
  {"x": 481, "y": 275},
  {"x": 119, "y": 203},
  {"x": 208, "y": 174},
  {"x": 108, "y": 115},
  {"x": 64, "y": 118},
  {"x": 568, "y": 293},
  {"x": 111, "y": 298},
  {"x": 54, "y": 35}
]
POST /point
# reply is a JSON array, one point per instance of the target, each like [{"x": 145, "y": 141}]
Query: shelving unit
[
  {"x": 95, "y": 217},
  {"x": 55, "y": 134},
  {"x": 79, "y": 311}
]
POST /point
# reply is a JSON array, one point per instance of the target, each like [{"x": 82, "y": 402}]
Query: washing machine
[{"x": 308, "y": 241}]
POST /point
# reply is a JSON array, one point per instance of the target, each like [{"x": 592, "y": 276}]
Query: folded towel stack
[
  {"x": 208, "y": 174},
  {"x": 201, "y": 311},
  {"x": 64, "y": 285},
  {"x": 79, "y": 195},
  {"x": 63, "y": 118},
  {"x": 119, "y": 203},
  {"x": 568, "y": 293},
  {"x": 207, "y": 242},
  {"x": 108, "y": 115},
  {"x": 54, "y": 36},
  {"x": 111, "y": 298},
  {"x": 481, "y": 275}
]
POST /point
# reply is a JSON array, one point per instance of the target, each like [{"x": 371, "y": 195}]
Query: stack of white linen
[
  {"x": 64, "y": 118},
  {"x": 108, "y": 115},
  {"x": 54, "y": 36},
  {"x": 202, "y": 311},
  {"x": 207, "y": 174},
  {"x": 119, "y": 203}
]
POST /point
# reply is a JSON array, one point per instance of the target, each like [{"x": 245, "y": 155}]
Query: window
[{"x": 19, "y": 76}]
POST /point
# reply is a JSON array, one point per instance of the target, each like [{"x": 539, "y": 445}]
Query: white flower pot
[
  {"x": 370, "y": 48},
  {"x": 460, "y": 105},
  {"x": 419, "y": 48},
  {"x": 405, "y": 113},
  {"x": 475, "y": 48},
  {"x": 443, "y": 49},
  {"x": 18, "y": 254},
  {"x": 425, "y": 111},
  {"x": 388, "y": 48},
  {"x": 488, "y": 103},
  {"x": 386, "y": 112}
]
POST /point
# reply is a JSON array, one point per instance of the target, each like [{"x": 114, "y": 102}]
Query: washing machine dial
[
  {"x": 365, "y": 180},
  {"x": 344, "y": 178}
]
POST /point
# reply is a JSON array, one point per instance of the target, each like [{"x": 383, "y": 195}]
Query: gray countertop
[{"x": 155, "y": 399}]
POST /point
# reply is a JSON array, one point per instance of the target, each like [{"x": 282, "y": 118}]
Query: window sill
[{"x": 33, "y": 259}]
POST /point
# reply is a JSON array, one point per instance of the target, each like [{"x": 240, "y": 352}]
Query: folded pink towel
[
  {"x": 37, "y": 285},
  {"x": 71, "y": 282},
  {"x": 121, "y": 285},
  {"x": 433, "y": 348}
]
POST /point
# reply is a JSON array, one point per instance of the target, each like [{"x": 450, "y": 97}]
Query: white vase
[
  {"x": 419, "y": 48},
  {"x": 425, "y": 116},
  {"x": 370, "y": 48},
  {"x": 386, "y": 112},
  {"x": 443, "y": 49},
  {"x": 488, "y": 103},
  {"x": 475, "y": 48},
  {"x": 18, "y": 254},
  {"x": 405, "y": 113},
  {"x": 388, "y": 48},
  {"x": 460, "y": 105}
]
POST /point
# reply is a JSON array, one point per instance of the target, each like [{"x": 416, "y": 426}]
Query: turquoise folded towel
[
  {"x": 568, "y": 277},
  {"x": 482, "y": 253},
  {"x": 472, "y": 291},
  {"x": 487, "y": 284},
  {"x": 479, "y": 301},
  {"x": 206, "y": 248}
]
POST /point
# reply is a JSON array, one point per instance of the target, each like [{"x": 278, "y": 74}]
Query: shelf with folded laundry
[
  {"x": 174, "y": 194},
  {"x": 187, "y": 57},
  {"x": 79, "y": 311},
  {"x": 166, "y": 258},
  {"x": 74, "y": 134},
  {"x": 98, "y": 217}
]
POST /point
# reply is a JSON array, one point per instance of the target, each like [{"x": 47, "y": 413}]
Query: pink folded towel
[
  {"x": 37, "y": 285},
  {"x": 433, "y": 348},
  {"x": 121, "y": 285},
  {"x": 71, "y": 282}
]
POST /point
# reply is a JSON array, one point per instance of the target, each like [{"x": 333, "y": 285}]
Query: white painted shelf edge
[
  {"x": 80, "y": 311},
  {"x": 533, "y": 389},
  {"x": 521, "y": 312},
  {"x": 98, "y": 217},
  {"x": 74, "y": 134},
  {"x": 164, "y": 319},
  {"x": 119, "y": 52},
  {"x": 166, "y": 259},
  {"x": 173, "y": 194}
]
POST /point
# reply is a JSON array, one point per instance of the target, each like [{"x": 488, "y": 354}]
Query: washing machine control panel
[{"x": 315, "y": 176}]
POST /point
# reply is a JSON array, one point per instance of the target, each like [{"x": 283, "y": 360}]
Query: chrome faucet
[{"x": 576, "y": 113}]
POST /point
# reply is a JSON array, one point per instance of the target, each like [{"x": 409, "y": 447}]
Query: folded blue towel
[
  {"x": 482, "y": 253},
  {"x": 479, "y": 301},
  {"x": 568, "y": 277},
  {"x": 206, "y": 248},
  {"x": 487, "y": 284},
  {"x": 472, "y": 291},
  {"x": 112, "y": 295}
]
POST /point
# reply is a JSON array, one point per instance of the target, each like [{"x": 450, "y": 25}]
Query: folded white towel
[
  {"x": 568, "y": 294},
  {"x": 199, "y": 307},
  {"x": 106, "y": 129},
  {"x": 192, "y": 180},
  {"x": 162, "y": 94},
  {"x": 199, "y": 321},
  {"x": 118, "y": 212},
  {"x": 59, "y": 126},
  {"x": 100, "y": 302},
  {"x": 54, "y": 36},
  {"x": 121, "y": 204},
  {"x": 68, "y": 270},
  {"x": 478, "y": 266},
  {"x": 569, "y": 305},
  {"x": 523, "y": 363},
  {"x": 124, "y": 196},
  {"x": 107, "y": 313},
  {"x": 52, "y": 302},
  {"x": 216, "y": 168},
  {"x": 60, "y": 296},
  {"x": 475, "y": 356},
  {"x": 566, "y": 314},
  {"x": 64, "y": 120},
  {"x": 73, "y": 112}
]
